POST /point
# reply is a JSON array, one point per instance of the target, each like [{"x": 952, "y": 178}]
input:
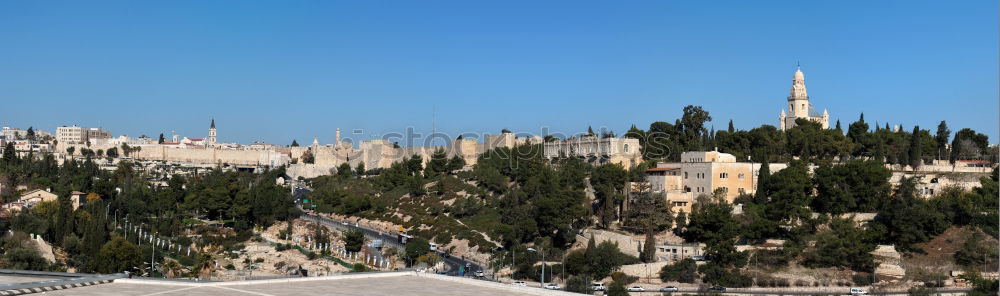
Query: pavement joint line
[
  {"x": 175, "y": 290},
  {"x": 242, "y": 291}
]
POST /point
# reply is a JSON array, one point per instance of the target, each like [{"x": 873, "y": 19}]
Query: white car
[
  {"x": 636, "y": 289},
  {"x": 552, "y": 286},
  {"x": 597, "y": 286},
  {"x": 479, "y": 273},
  {"x": 858, "y": 291},
  {"x": 669, "y": 289},
  {"x": 519, "y": 284}
]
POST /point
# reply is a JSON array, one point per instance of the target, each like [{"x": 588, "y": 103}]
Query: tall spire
[{"x": 213, "y": 123}]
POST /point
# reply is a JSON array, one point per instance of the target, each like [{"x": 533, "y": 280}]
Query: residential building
[
  {"x": 703, "y": 172},
  {"x": 71, "y": 135}
]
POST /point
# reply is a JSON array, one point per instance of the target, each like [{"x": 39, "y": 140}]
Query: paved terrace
[{"x": 383, "y": 283}]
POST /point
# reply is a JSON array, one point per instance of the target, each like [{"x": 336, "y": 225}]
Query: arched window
[{"x": 626, "y": 148}]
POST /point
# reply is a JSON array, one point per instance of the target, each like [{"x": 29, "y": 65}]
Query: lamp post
[{"x": 543, "y": 264}]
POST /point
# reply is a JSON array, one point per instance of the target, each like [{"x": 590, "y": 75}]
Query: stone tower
[
  {"x": 211, "y": 133},
  {"x": 799, "y": 106},
  {"x": 798, "y": 100}
]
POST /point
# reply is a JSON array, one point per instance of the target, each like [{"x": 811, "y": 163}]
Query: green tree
[
  {"x": 916, "y": 157},
  {"x": 360, "y": 169},
  {"x": 579, "y": 284},
  {"x": 684, "y": 271},
  {"x": 907, "y": 219},
  {"x": 976, "y": 252},
  {"x": 941, "y": 138},
  {"x": 416, "y": 248},
  {"x": 161, "y": 139},
  {"x": 438, "y": 163},
  {"x": 648, "y": 254},
  {"x": 354, "y": 240},
  {"x": 456, "y": 163},
  {"x": 843, "y": 245},
  {"x": 119, "y": 255},
  {"x": 344, "y": 171}
]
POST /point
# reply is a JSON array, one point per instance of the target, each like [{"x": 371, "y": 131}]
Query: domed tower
[
  {"x": 211, "y": 133},
  {"x": 798, "y": 99}
]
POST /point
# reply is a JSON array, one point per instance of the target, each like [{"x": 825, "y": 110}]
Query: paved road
[{"x": 388, "y": 240}]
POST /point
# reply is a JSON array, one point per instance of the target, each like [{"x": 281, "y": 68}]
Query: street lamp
[{"x": 543, "y": 264}]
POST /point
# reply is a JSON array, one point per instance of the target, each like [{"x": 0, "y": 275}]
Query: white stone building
[
  {"x": 594, "y": 150},
  {"x": 799, "y": 105}
]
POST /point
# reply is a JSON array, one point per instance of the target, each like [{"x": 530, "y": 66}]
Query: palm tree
[
  {"x": 173, "y": 268},
  {"x": 205, "y": 264}
]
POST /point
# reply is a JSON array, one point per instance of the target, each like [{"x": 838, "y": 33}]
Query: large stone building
[
  {"x": 597, "y": 151},
  {"x": 71, "y": 135},
  {"x": 799, "y": 106},
  {"x": 703, "y": 172}
]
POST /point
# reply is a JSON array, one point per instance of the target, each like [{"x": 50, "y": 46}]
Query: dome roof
[{"x": 798, "y": 75}]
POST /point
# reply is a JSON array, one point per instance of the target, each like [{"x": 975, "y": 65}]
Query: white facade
[{"x": 799, "y": 106}]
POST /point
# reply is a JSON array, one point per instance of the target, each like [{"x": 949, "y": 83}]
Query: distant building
[
  {"x": 71, "y": 135},
  {"x": 98, "y": 134},
  {"x": 703, "y": 172},
  {"x": 799, "y": 106},
  {"x": 212, "y": 140},
  {"x": 594, "y": 150}
]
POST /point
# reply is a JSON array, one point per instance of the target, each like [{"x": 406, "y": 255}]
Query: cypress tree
[
  {"x": 733, "y": 129},
  {"x": 838, "y": 126},
  {"x": 762, "y": 178},
  {"x": 649, "y": 247},
  {"x": 915, "y": 153}
]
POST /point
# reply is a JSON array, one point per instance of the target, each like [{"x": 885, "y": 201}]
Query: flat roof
[{"x": 662, "y": 169}]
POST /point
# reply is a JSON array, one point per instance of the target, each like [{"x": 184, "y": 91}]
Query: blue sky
[{"x": 282, "y": 70}]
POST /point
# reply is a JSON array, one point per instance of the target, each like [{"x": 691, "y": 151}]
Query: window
[
  {"x": 626, "y": 148},
  {"x": 723, "y": 175},
  {"x": 741, "y": 190},
  {"x": 741, "y": 176},
  {"x": 685, "y": 175}
]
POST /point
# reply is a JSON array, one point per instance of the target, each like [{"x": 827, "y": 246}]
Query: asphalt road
[{"x": 388, "y": 239}]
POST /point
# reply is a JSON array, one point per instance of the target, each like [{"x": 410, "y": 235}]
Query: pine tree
[{"x": 590, "y": 131}]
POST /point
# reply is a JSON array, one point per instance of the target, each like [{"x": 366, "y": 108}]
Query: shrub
[
  {"x": 230, "y": 266},
  {"x": 862, "y": 279}
]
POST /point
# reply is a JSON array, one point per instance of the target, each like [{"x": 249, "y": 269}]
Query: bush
[
  {"x": 230, "y": 266},
  {"x": 684, "y": 271},
  {"x": 862, "y": 279},
  {"x": 258, "y": 260},
  {"x": 358, "y": 267},
  {"x": 579, "y": 284}
]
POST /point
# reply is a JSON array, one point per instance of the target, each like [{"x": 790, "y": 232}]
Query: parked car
[
  {"x": 597, "y": 286},
  {"x": 858, "y": 291},
  {"x": 479, "y": 273},
  {"x": 669, "y": 289},
  {"x": 717, "y": 289},
  {"x": 553, "y": 286},
  {"x": 636, "y": 289},
  {"x": 519, "y": 284}
]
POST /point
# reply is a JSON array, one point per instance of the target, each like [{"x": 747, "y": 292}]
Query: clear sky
[{"x": 282, "y": 70}]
